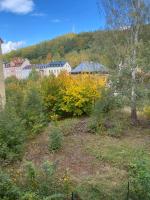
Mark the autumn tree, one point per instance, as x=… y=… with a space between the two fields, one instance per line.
x=49 y=58
x=126 y=20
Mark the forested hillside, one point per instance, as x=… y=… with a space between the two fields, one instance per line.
x=95 y=46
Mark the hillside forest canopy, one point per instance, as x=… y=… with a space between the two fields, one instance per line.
x=75 y=48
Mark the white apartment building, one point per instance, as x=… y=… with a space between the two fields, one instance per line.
x=53 y=68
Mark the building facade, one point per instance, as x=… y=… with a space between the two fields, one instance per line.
x=21 y=68
x=17 y=68
x=54 y=68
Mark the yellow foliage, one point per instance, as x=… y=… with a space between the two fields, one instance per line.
x=72 y=95
x=80 y=93
x=147 y=111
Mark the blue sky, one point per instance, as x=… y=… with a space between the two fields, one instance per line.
x=26 y=22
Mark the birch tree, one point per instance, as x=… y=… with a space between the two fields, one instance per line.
x=127 y=18
x=2 y=83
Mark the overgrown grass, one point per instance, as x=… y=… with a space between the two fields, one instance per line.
x=58 y=130
x=96 y=188
x=67 y=125
x=118 y=152
x=112 y=158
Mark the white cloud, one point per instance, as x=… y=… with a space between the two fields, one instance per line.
x=17 y=6
x=55 y=20
x=9 y=46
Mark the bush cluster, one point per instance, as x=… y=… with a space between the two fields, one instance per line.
x=45 y=183
x=105 y=116
x=22 y=118
x=36 y=184
x=32 y=112
x=12 y=135
x=8 y=190
x=139 y=174
x=31 y=103
x=67 y=95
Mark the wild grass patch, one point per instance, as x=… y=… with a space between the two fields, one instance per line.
x=117 y=152
x=67 y=125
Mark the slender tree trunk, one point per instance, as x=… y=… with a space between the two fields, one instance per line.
x=2 y=82
x=134 y=117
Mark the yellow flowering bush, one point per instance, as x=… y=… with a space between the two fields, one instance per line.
x=68 y=95
x=80 y=94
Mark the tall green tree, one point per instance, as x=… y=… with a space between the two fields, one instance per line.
x=33 y=113
x=126 y=20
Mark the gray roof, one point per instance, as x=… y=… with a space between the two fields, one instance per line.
x=90 y=67
x=51 y=64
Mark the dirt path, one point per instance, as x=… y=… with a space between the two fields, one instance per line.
x=72 y=156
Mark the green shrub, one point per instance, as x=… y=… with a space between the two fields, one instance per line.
x=12 y=135
x=33 y=114
x=43 y=182
x=8 y=191
x=106 y=104
x=116 y=130
x=31 y=177
x=102 y=107
x=140 y=180
x=55 y=139
x=30 y=196
x=34 y=75
x=26 y=100
x=93 y=125
x=15 y=95
x=116 y=123
x=105 y=116
x=11 y=79
x=36 y=184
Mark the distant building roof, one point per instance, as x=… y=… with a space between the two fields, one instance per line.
x=51 y=64
x=17 y=62
x=90 y=67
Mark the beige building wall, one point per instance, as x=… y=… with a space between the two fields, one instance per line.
x=55 y=70
x=18 y=71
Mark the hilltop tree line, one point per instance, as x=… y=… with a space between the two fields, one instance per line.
x=75 y=48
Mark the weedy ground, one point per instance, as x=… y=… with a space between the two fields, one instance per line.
x=92 y=158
